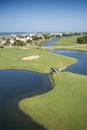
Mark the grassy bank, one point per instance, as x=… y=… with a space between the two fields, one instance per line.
x=63 y=108
x=69 y=43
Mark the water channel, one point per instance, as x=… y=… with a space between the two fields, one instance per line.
x=81 y=66
x=51 y=42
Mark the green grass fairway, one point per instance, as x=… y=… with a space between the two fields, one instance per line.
x=11 y=58
x=63 y=108
x=67 y=41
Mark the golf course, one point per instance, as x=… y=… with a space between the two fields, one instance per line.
x=65 y=106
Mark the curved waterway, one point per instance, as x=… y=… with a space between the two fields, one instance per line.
x=80 y=67
x=50 y=43
x=14 y=86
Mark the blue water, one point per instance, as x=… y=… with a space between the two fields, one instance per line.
x=51 y=42
x=81 y=66
x=9 y=33
x=14 y=86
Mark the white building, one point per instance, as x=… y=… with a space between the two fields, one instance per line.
x=12 y=41
x=24 y=38
x=28 y=38
x=21 y=38
x=2 y=41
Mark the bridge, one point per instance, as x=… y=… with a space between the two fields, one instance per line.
x=55 y=69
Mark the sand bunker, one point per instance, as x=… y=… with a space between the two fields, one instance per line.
x=24 y=48
x=31 y=57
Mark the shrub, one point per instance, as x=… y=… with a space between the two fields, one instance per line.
x=1 y=46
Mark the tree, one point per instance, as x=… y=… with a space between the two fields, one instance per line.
x=19 y=43
x=82 y=40
x=29 y=41
x=35 y=38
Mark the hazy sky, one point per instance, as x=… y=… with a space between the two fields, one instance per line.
x=43 y=15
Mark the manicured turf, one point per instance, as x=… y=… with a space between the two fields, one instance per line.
x=68 y=41
x=63 y=108
x=11 y=58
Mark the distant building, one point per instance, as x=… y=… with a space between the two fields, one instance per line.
x=40 y=35
x=13 y=36
x=12 y=41
x=21 y=38
x=2 y=41
x=28 y=38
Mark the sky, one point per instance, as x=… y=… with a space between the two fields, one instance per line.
x=43 y=15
